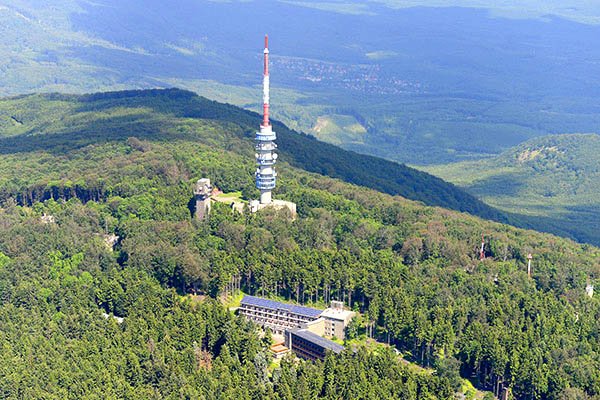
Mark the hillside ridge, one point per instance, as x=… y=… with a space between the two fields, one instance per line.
x=552 y=178
x=298 y=149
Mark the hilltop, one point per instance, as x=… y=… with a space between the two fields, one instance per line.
x=60 y=123
x=552 y=177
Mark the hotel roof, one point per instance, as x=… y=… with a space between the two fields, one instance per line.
x=318 y=340
x=277 y=305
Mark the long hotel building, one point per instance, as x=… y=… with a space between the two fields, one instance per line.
x=278 y=316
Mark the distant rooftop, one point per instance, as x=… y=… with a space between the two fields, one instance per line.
x=318 y=340
x=277 y=305
x=335 y=313
x=279 y=348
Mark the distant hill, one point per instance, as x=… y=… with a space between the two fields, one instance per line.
x=59 y=123
x=419 y=82
x=553 y=177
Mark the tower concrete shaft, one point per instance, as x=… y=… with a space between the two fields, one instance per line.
x=265 y=142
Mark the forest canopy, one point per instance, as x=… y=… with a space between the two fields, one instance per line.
x=110 y=166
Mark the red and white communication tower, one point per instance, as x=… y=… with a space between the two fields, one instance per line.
x=529 y=265
x=482 y=255
x=265 y=143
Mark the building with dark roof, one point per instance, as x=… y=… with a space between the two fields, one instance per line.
x=276 y=315
x=303 y=327
x=309 y=345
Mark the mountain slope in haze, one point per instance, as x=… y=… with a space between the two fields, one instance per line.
x=64 y=122
x=553 y=177
x=427 y=84
x=583 y=11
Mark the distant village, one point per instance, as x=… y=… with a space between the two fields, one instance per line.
x=361 y=78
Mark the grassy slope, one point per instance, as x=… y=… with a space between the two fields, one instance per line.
x=550 y=177
x=339 y=130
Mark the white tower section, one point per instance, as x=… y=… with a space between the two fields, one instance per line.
x=265 y=145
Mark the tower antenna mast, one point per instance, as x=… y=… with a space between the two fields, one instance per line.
x=266 y=83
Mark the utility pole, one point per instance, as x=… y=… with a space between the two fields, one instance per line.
x=482 y=255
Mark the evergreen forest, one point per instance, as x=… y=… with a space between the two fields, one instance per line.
x=77 y=172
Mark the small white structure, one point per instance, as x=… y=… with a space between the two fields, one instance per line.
x=48 y=219
x=110 y=241
x=256 y=205
x=279 y=350
x=589 y=290
x=118 y=319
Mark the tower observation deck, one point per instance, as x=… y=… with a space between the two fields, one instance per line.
x=265 y=142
